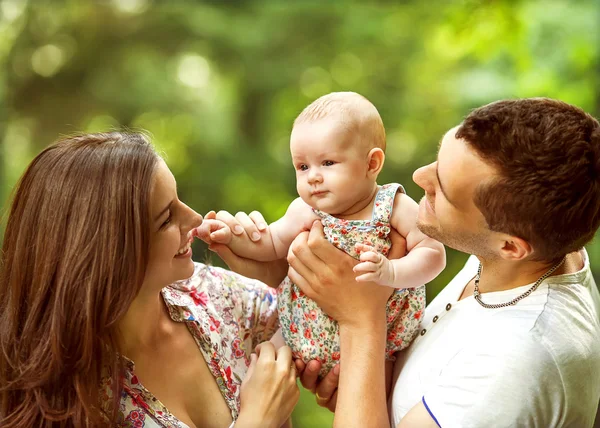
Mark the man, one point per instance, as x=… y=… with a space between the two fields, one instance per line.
x=514 y=338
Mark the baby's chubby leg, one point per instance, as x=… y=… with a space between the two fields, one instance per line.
x=277 y=339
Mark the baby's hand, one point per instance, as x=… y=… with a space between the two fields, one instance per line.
x=214 y=231
x=373 y=266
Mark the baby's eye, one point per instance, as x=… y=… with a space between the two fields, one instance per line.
x=302 y=167
x=328 y=163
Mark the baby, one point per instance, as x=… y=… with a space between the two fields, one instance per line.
x=338 y=149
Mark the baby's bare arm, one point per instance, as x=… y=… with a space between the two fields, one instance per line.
x=298 y=217
x=426 y=257
x=275 y=240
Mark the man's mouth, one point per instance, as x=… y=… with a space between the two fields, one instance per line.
x=430 y=204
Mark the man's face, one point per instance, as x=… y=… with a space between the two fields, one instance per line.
x=447 y=213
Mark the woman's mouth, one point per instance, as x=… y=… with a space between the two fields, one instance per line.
x=186 y=250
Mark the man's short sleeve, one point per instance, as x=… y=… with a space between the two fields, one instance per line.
x=499 y=382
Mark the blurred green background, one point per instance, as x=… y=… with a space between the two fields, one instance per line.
x=218 y=84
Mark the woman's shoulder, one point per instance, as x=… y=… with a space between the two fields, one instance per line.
x=217 y=282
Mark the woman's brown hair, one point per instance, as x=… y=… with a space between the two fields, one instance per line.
x=73 y=259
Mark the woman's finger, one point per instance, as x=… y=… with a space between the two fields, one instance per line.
x=258 y=220
x=253 y=359
x=248 y=225
x=211 y=215
x=265 y=351
x=283 y=356
x=230 y=221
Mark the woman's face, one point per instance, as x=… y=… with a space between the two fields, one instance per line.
x=172 y=222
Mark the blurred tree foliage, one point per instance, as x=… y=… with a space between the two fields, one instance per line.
x=218 y=84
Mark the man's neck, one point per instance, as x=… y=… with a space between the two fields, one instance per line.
x=500 y=275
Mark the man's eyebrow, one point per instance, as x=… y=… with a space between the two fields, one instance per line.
x=441 y=187
x=167 y=208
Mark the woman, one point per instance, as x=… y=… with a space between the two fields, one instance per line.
x=95 y=236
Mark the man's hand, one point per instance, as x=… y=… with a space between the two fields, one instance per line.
x=325 y=390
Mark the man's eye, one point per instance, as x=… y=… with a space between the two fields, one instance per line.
x=328 y=163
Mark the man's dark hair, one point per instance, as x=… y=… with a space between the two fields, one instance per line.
x=547 y=154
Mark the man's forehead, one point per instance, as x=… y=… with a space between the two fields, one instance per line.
x=460 y=169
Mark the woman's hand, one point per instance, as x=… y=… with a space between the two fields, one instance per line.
x=271 y=273
x=269 y=391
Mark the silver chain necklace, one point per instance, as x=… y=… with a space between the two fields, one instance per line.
x=514 y=301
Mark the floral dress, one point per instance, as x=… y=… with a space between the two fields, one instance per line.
x=228 y=315
x=309 y=331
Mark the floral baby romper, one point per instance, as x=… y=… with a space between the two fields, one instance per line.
x=309 y=331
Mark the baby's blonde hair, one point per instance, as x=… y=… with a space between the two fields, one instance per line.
x=354 y=111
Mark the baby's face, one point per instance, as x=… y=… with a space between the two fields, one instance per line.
x=331 y=166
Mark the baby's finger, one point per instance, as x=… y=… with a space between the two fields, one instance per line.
x=206 y=228
x=365 y=267
x=248 y=225
x=258 y=220
x=367 y=277
x=363 y=248
x=221 y=236
x=370 y=256
x=230 y=221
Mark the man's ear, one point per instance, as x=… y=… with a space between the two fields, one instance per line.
x=375 y=160
x=515 y=248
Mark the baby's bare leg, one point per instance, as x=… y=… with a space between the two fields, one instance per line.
x=277 y=339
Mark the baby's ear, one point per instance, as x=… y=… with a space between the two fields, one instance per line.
x=376 y=159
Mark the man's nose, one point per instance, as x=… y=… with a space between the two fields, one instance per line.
x=423 y=177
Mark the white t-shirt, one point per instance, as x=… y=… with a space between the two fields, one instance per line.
x=534 y=364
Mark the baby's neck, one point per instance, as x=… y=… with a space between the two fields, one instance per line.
x=363 y=208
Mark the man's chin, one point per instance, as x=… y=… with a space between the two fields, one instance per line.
x=429 y=230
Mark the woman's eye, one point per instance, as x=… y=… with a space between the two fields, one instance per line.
x=167 y=221
x=328 y=163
